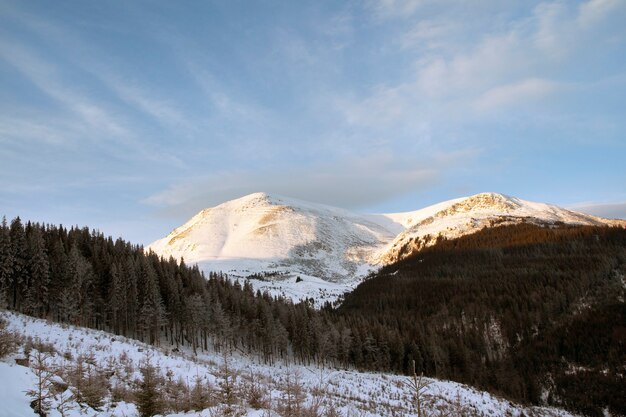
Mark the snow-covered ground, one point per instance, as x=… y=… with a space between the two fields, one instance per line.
x=14 y=382
x=349 y=392
x=332 y=247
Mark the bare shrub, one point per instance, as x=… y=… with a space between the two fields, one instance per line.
x=291 y=403
x=41 y=394
x=8 y=340
x=229 y=391
x=256 y=391
x=89 y=383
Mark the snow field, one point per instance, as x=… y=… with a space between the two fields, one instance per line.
x=348 y=392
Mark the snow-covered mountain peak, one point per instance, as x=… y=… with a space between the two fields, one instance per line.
x=287 y=237
x=309 y=249
x=468 y=215
x=246 y=202
x=481 y=202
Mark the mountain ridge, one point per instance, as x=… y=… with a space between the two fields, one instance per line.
x=296 y=240
x=468 y=215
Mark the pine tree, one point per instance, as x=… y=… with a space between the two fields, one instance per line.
x=152 y=313
x=229 y=390
x=37 y=301
x=117 y=300
x=6 y=263
x=148 y=391
x=200 y=395
x=291 y=403
x=132 y=297
x=18 y=255
x=59 y=273
x=195 y=309
x=220 y=326
x=90 y=385
x=81 y=285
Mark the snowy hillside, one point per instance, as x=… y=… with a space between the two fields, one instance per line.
x=307 y=250
x=464 y=216
x=210 y=379
x=292 y=239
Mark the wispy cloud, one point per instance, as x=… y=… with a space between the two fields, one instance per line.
x=32 y=128
x=90 y=60
x=227 y=105
x=45 y=76
x=351 y=184
x=162 y=111
x=511 y=64
x=528 y=90
x=594 y=11
x=608 y=210
x=350 y=104
x=81 y=116
x=384 y=9
x=429 y=35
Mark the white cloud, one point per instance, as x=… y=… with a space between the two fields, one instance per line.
x=531 y=89
x=351 y=183
x=428 y=34
x=86 y=57
x=43 y=75
x=511 y=64
x=161 y=110
x=608 y=210
x=37 y=127
x=594 y=11
x=385 y=9
x=228 y=106
x=338 y=30
x=82 y=118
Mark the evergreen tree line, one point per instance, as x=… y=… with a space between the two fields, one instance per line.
x=81 y=277
x=509 y=309
x=518 y=310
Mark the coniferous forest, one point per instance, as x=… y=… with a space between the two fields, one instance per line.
x=532 y=313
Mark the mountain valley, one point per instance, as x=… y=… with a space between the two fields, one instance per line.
x=523 y=302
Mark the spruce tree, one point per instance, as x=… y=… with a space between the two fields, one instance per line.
x=37 y=301
x=18 y=255
x=81 y=285
x=148 y=391
x=6 y=263
x=117 y=299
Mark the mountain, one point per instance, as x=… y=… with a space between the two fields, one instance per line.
x=459 y=217
x=532 y=312
x=300 y=249
x=319 y=246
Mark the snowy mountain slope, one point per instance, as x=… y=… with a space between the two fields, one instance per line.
x=317 y=251
x=350 y=393
x=399 y=222
x=260 y=232
x=464 y=216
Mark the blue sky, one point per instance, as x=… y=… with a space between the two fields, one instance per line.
x=131 y=116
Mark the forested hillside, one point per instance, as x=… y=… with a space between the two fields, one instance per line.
x=518 y=310
x=521 y=310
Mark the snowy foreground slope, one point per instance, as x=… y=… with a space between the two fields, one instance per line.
x=307 y=250
x=347 y=393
